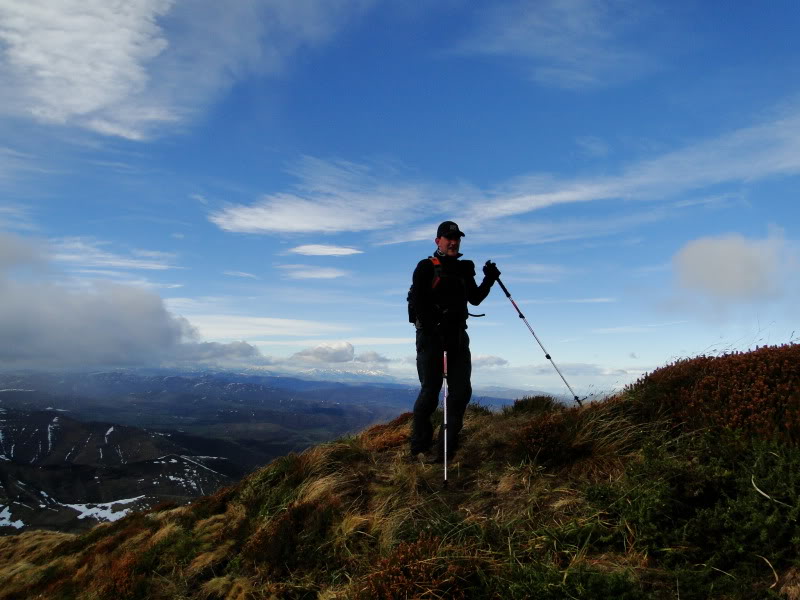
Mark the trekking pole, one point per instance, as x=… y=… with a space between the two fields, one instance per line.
x=546 y=354
x=444 y=402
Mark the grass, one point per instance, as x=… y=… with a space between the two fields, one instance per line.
x=642 y=495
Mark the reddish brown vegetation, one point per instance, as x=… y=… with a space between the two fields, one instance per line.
x=420 y=569
x=757 y=392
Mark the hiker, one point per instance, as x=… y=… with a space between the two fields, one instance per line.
x=441 y=287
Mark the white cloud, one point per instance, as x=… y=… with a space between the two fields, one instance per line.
x=81 y=60
x=90 y=253
x=761 y=151
x=647 y=328
x=599 y=300
x=331 y=197
x=371 y=357
x=128 y=69
x=360 y=341
x=324 y=250
x=733 y=268
x=481 y=361
x=100 y=324
x=593 y=146
x=217 y=353
x=241 y=274
x=334 y=352
x=12 y=163
x=310 y=272
x=569 y=43
x=119 y=277
x=226 y=327
x=16 y=251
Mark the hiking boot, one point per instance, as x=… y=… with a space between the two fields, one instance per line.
x=414 y=458
x=434 y=456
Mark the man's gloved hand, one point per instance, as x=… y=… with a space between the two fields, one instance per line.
x=490 y=271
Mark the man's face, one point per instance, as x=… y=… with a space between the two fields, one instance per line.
x=448 y=246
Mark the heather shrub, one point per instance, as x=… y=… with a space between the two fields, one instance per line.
x=272 y=488
x=757 y=392
x=421 y=569
x=707 y=504
x=550 y=439
x=294 y=539
x=533 y=405
x=524 y=581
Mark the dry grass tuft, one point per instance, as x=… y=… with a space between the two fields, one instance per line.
x=31 y=545
x=169 y=530
x=227 y=588
x=379 y=438
x=205 y=562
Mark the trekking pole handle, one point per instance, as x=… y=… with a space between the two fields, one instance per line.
x=505 y=291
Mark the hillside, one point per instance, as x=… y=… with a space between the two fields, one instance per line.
x=60 y=473
x=685 y=485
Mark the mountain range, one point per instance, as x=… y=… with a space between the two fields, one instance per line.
x=124 y=440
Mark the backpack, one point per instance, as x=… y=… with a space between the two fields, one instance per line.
x=437 y=276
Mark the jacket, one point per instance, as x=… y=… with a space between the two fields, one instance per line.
x=445 y=305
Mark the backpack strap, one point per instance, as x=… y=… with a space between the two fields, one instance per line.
x=437 y=270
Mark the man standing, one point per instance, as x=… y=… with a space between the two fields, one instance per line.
x=442 y=286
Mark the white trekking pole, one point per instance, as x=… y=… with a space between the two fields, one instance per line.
x=445 y=418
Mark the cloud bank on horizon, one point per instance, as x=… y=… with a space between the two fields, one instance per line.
x=187 y=182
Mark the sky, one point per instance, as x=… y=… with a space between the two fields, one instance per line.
x=250 y=184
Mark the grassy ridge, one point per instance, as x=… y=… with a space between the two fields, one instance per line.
x=685 y=485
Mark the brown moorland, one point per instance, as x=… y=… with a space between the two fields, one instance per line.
x=684 y=485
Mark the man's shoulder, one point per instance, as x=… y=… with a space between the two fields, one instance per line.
x=423 y=267
x=467 y=267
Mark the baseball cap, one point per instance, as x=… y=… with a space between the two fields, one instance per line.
x=449 y=229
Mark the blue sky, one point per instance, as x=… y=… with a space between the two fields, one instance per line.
x=250 y=184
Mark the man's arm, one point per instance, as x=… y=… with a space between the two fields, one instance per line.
x=475 y=293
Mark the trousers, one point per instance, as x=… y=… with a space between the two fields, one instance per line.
x=430 y=367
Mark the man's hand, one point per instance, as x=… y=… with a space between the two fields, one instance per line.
x=490 y=271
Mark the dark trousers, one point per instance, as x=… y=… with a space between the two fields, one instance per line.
x=430 y=364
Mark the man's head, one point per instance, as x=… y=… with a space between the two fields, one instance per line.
x=448 y=238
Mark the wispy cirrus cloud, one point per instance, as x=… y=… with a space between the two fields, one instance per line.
x=761 y=151
x=330 y=197
x=230 y=326
x=572 y=44
x=647 y=328
x=324 y=250
x=241 y=274
x=16 y=218
x=311 y=272
x=340 y=196
x=130 y=69
x=598 y=300
x=86 y=252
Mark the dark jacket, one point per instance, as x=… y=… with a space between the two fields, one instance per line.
x=445 y=306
